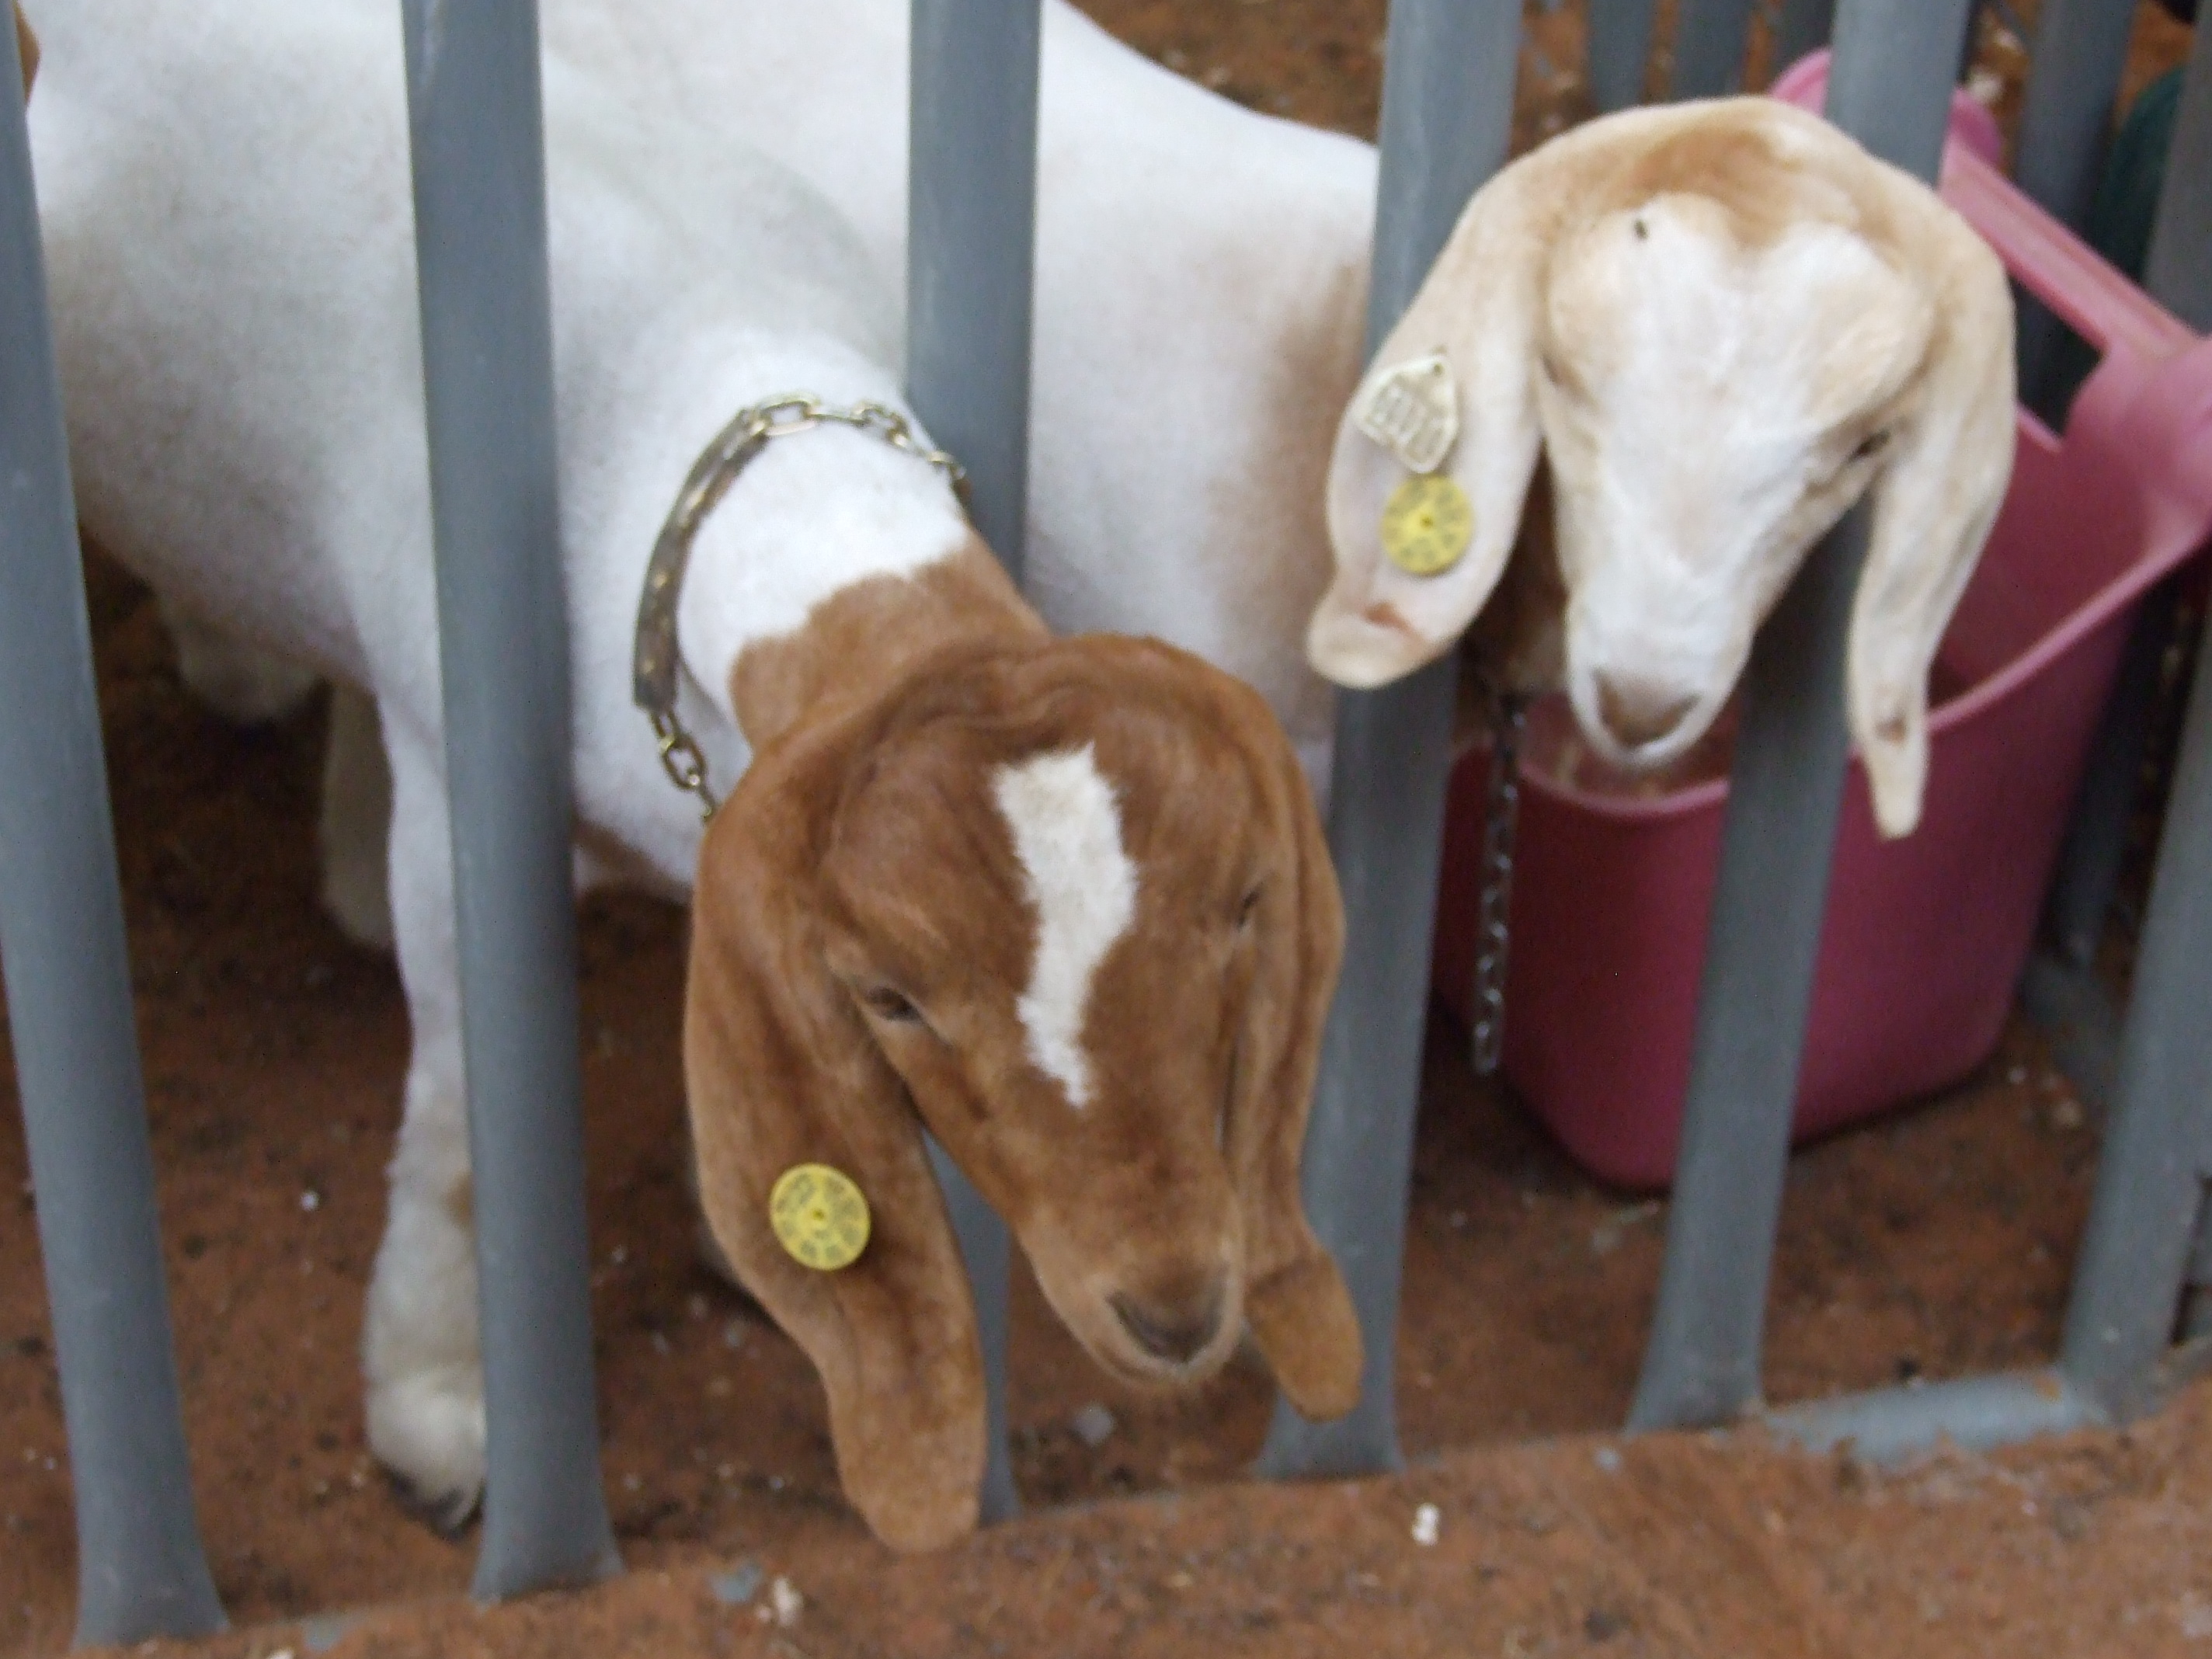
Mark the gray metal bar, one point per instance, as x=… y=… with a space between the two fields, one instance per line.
x=2065 y=126
x=2158 y=1146
x=2066 y=118
x=1619 y=47
x=971 y=240
x=1709 y=38
x=1890 y=88
x=2080 y=1020
x=1447 y=110
x=2179 y=274
x=1974 y=1413
x=477 y=127
x=2121 y=1321
x=2177 y=271
x=1702 y=1365
x=1805 y=27
x=2096 y=844
x=141 y=1572
x=987 y=1250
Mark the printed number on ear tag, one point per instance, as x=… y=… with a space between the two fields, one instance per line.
x=819 y=1217
x=1426 y=526
x=1413 y=411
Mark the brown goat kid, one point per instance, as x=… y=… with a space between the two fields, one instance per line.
x=920 y=833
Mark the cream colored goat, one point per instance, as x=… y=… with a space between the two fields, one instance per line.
x=1718 y=323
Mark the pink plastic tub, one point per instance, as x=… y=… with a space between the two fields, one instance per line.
x=1925 y=938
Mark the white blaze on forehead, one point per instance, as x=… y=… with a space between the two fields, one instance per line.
x=1068 y=834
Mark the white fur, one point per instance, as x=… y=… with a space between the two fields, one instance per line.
x=226 y=201
x=1708 y=405
x=1680 y=477
x=228 y=234
x=1067 y=827
x=1201 y=278
x=355 y=827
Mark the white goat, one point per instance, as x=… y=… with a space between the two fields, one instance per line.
x=1201 y=277
x=1127 y=932
x=1719 y=324
x=1202 y=290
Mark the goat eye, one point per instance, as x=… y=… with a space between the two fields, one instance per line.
x=1871 y=445
x=885 y=1002
x=1247 y=908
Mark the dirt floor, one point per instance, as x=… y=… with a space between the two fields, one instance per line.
x=1935 y=1243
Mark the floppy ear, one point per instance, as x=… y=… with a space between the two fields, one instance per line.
x=1479 y=310
x=1300 y=1314
x=26 y=50
x=780 y=1071
x=1950 y=458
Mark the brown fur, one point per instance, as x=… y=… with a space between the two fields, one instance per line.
x=1737 y=167
x=887 y=623
x=26 y=50
x=1729 y=156
x=863 y=850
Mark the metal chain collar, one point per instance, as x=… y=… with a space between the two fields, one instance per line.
x=654 y=662
x=1501 y=817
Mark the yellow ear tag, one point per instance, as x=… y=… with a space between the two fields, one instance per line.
x=819 y=1217
x=1426 y=525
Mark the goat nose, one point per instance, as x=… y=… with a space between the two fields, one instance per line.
x=1638 y=712
x=1176 y=1330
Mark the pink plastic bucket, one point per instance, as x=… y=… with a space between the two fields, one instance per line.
x=1925 y=937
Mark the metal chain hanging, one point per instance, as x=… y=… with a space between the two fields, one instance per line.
x=1509 y=719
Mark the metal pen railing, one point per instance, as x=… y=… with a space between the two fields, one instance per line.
x=141 y=1570
x=1890 y=88
x=1447 y=116
x=971 y=261
x=475 y=124
x=480 y=212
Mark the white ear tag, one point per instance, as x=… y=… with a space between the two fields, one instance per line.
x=1413 y=411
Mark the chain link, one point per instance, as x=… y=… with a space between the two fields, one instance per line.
x=1509 y=719
x=682 y=760
x=797 y=412
x=732 y=449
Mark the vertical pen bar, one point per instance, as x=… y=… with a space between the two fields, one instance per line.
x=971 y=241
x=2066 y=119
x=2150 y=1176
x=1804 y=27
x=1890 y=88
x=473 y=104
x=2096 y=844
x=141 y=1572
x=1710 y=38
x=2178 y=270
x=2178 y=276
x=1447 y=109
x=2065 y=125
x=971 y=260
x=2158 y=1147
x=1619 y=47
x=987 y=1250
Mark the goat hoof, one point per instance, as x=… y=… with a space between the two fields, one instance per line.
x=426 y=1428
x=446 y=1514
